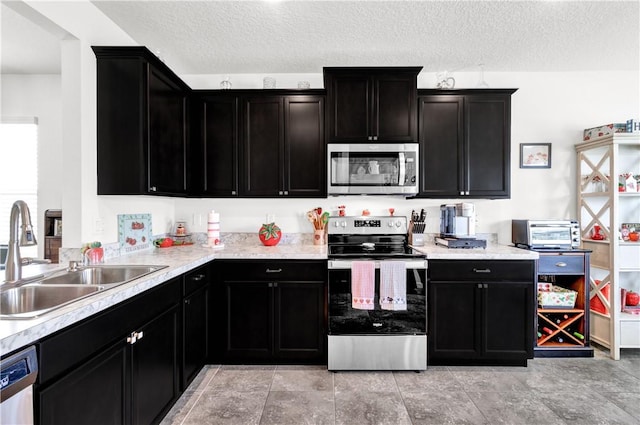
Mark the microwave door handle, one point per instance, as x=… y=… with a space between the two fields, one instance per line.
x=402 y=169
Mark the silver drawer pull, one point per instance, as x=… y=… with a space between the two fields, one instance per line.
x=561 y=264
x=482 y=270
x=197 y=277
x=274 y=270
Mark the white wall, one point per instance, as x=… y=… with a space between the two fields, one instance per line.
x=547 y=108
x=39 y=96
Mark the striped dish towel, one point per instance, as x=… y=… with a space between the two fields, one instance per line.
x=363 y=283
x=393 y=285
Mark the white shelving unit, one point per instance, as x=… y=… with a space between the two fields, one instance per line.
x=615 y=264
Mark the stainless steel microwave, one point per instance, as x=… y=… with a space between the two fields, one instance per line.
x=534 y=234
x=372 y=169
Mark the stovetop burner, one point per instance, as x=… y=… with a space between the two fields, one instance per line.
x=369 y=237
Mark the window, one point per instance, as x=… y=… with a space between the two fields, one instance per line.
x=18 y=173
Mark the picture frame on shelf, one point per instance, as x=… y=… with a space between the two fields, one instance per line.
x=535 y=155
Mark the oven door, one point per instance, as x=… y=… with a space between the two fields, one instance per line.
x=345 y=320
x=372 y=169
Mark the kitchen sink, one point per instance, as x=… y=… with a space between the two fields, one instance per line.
x=33 y=298
x=99 y=275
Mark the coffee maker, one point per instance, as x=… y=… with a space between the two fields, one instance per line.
x=458 y=220
x=458 y=226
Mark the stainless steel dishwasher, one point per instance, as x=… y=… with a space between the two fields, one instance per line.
x=18 y=373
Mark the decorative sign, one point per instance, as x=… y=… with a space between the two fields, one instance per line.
x=134 y=231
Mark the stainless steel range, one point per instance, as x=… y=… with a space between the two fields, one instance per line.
x=377 y=296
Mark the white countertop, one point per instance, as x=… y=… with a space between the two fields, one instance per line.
x=179 y=260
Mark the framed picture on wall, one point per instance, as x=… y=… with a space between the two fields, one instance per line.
x=535 y=155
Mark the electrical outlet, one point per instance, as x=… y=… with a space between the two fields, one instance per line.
x=98 y=225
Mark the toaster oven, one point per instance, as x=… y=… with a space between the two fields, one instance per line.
x=540 y=234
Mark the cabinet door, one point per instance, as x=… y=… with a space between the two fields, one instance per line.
x=195 y=321
x=304 y=147
x=94 y=393
x=441 y=140
x=299 y=321
x=262 y=147
x=249 y=328
x=220 y=144
x=350 y=98
x=454 y=317
x=488 y=146
x=508 y=324
x=154 y=360
x=394 y=108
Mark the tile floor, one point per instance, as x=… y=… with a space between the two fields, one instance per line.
x=549 y=391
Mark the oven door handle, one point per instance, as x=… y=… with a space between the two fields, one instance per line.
x=346 y=264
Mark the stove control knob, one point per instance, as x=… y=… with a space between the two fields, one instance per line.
x=390 y=224
x=343 y=223
x=336 y=223
x=398 y=223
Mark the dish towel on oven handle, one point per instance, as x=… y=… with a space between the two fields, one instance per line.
x=393 y=285
x=363 y=284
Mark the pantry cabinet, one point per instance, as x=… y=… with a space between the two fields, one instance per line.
x=465 y=143
x=123 y=367
x=141 y=122
x=368 y=104
x=480 y=312
x=272 y=312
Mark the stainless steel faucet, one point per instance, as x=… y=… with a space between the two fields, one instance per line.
x=19 y=210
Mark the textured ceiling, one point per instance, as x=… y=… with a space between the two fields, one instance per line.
x=230 y=37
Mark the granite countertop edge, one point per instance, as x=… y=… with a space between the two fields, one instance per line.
x=15 y=334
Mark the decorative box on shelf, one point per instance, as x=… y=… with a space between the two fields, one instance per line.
x=603 y=130
x=557 y=297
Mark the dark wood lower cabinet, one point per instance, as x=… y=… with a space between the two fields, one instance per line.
x=154 y=369
x=480 y=312
x=274 y=312
x=94 y=393
x=120 y=366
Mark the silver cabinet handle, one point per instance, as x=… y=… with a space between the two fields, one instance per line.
x=233 y=192
x=370 y=138
x=461 y=193
x=273 y=270
x=286 y=192
x=187 y=302
x=134 y=337
x=198 y=277
x=561 y=264
x=482 y=270
x=467 y=192
x=152 y=189
x=280 y=193
x=375 y=137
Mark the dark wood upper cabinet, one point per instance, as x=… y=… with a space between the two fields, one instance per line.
x=304 y=146
x=213 y=170
x=465 y=143
x=372 y=104
x=141 y=122
x=262 y=148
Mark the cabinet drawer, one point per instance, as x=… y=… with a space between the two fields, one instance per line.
x=561 y=264
x=481 y=270
x=195 y=279
x=292 y=270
